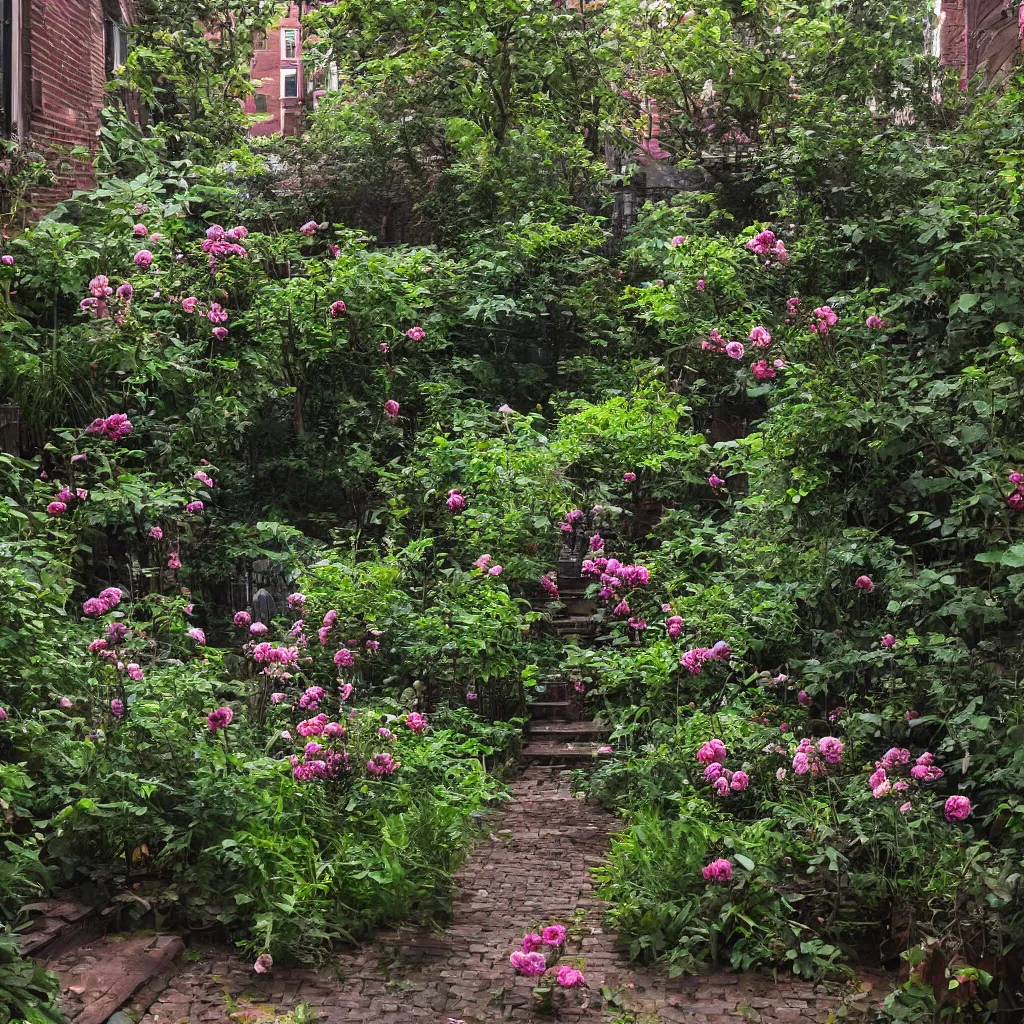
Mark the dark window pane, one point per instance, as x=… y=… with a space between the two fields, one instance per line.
x=6 y=116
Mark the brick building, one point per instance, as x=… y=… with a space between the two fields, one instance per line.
x=283 y=86
x=277 y=70
x=979 y=33
x=55 y=59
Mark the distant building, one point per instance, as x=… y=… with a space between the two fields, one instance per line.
x=283 y=87
x=278 y=79
x=55 y=59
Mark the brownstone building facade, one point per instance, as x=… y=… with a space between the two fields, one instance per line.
x=278 y=78
x=55 y=59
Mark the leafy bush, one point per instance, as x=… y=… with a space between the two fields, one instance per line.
x=456 y=315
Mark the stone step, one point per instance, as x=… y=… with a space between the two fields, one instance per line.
x=573 y=586
x=569 y=731
x=574 y=625
x=57 y=925
x=553 y=691
x=552 y=709
x=575 y=606
x=99 y=977
x=560 y=753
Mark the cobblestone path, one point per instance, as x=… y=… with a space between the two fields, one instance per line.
x=532 y=869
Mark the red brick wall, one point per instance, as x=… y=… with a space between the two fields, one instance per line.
x=952 y=38
x=976 y=33
x=993 y=36
x=267 y=64
x=63 y=80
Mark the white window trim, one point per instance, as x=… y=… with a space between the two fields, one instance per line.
x=333 y=79
x=287 y=73
x=285 y=32
x=934 y=24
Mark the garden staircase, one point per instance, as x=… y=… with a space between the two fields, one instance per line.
x=556 y=736
x=575 y=617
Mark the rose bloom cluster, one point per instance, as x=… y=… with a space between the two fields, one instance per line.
x=107 y=601
x=759 y=337
x=717 y=871
x=531 y=959
x=268 y=654
x=381 y=764
x=113 y=427
x=65 y=496
x=723 y=781
x=220 y=244
x=310 y=767
x=97 y=303
x=815 y=759
x=1016 y=497
x=615 y=577
x=572 y=521
x=549 y=584
x=892 y=775
x=768 y=247
x=694 y=659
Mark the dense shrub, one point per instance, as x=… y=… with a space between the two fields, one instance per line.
x=395 y=360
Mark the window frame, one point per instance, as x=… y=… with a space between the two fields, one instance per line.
x=291 y=34
x=115 y=45
x=256 y=102
x=289 y=75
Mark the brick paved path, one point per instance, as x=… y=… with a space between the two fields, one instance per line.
x=532 y=869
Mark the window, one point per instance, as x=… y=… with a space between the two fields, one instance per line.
x=290 y=83
x=259 y=39
x=332 y=77
x=261 y=102
x=289 y=43
x=115 y=45
x=6 y=67
x=934 y=30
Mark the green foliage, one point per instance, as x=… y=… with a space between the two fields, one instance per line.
x=188 y=62
x=26 y=990
x=474 y=176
